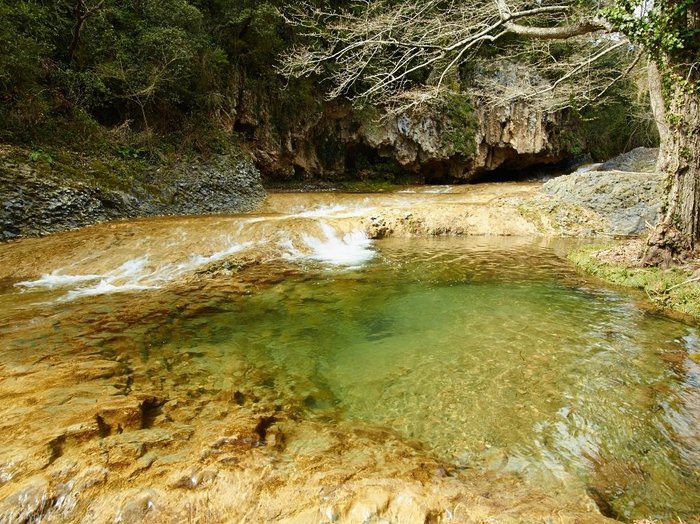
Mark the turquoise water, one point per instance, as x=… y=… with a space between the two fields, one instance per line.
x=489 y=353
x=489 y=356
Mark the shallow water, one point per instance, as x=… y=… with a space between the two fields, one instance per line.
x=491 y=354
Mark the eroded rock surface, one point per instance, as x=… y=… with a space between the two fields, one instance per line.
x=433 y=145
x=55 y=198
x=627 y=202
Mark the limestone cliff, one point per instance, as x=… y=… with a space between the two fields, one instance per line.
x=453 y=141
x=518 y=136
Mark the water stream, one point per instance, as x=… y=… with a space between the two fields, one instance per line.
x=490 y=355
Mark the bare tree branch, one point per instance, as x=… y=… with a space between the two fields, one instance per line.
x=403 y=53
x=619 y=77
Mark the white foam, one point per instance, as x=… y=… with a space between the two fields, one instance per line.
x=133 y=268
x=199 y=260
x=333 y=211
x=588 y=168
x=289 y=250
x=351 y=250
x=330 y=247
x=102 y=288
x=133 y=275
x=438 y=190
x=55 y=279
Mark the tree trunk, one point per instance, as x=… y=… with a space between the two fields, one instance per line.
x=81 y=13
x=77 y=28
x=677 y=79
x=658 y=110
x=679 y=158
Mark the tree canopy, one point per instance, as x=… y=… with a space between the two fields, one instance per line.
x=405 y=53
x=117 y=61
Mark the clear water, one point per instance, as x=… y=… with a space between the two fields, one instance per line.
x=490 y=353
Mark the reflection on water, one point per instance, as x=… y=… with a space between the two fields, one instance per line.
x=490 y=354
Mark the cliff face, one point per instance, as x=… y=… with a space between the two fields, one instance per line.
x=457 y=141
x=518 y=136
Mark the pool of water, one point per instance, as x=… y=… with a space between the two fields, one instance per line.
x=490 y=354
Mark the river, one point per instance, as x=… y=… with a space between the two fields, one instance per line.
x=332 y=358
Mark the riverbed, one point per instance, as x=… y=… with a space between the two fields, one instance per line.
x=419 y=356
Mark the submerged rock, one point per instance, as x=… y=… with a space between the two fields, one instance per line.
x=189 y=421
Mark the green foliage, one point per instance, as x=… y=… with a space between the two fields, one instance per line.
x=662 y=30
x=25 y=37
x=125 y=151
x=619 y=122
x=149 y=62
x=462 y=124
x=164 y=75
x=253 y=34
x=669 y=31
x=141 y=58
x=607 y=130
x=39 y=156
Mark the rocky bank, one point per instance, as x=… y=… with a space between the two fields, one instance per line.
x=40 y=194
x=627 y=202
x=621 y=197
x=40 y=197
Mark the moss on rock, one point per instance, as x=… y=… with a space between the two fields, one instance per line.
x=462 y=125
x=675 y=289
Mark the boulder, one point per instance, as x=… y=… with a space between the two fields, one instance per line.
x=627 y=201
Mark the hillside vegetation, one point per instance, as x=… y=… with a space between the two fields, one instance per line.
x=153 y=79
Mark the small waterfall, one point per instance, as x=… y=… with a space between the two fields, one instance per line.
x=325 y=235
x=352 y=249
x=334 y=211
x=136 y=274
x=588 y=168
x=315 y=229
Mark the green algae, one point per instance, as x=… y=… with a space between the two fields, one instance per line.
x=673 y=289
